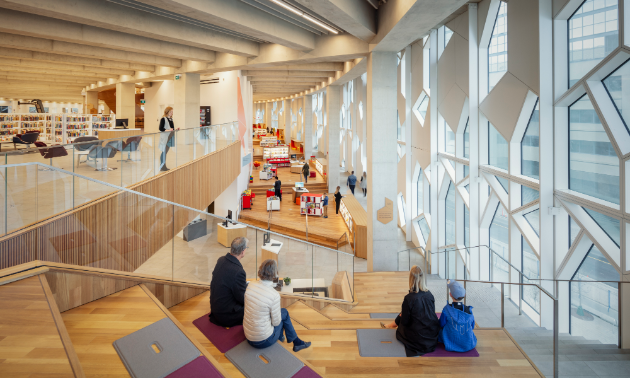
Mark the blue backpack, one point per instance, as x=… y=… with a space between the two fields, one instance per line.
x=457 y=334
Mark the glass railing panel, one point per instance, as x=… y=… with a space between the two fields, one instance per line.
x=185 y=146
x=345 y=277
x=21 y=193
x=333 y=271
x=200 y=142
x=295 y=261
x=403 y=261
x=139 y=160
x=486 y=301
x=416 y=257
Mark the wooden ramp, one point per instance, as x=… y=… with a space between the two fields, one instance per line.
x=33 y=339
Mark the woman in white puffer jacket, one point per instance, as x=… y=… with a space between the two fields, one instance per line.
x=264 y=319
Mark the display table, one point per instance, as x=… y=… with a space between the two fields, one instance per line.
x=355 y=218
x=225 y=235
x=265 y=175
x=280 y=162
x=118 y=133
x=273 y=204
x=268 y=251
x=297 y=192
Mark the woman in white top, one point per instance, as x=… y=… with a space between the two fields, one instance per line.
x=166 y=137
x=363 y=184
x=264 y=319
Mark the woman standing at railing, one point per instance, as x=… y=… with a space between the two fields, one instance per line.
x=418 y=325
x=166 y=137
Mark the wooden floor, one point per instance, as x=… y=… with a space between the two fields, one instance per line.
x=94 y=326
x=30 y=343
x=289 y=221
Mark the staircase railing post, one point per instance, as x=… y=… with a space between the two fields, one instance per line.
x=502 y=305
x=556 y=332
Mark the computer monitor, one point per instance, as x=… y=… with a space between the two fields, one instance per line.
x=122 y=123
x=299 y=184
x=293 y=157
x=229 y=216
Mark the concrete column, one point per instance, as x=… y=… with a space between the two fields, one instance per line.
x=408 y=138
x=473 y=130
x=287 y=122
x=126 y=103
x=433 y=194
x=381 y=158
x=333 y=107
x=308 y=126
x=187 y=94
x=91 y=99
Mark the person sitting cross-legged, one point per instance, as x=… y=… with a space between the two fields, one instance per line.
x=457 y=322
x=264 y=319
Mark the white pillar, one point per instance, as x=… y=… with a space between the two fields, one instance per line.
x=126 y=103
x=473 y=133
x=435 y=239
x=187 y=93
x=408 y=139
x=333 y=107
x=381 y=158
x=308 y=126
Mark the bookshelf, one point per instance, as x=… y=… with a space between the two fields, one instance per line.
x=355 y=218
x=311 y=204
x=276 y=152
x=9 y=126
x=101 y=122
x=266 y=141
x=54 y=128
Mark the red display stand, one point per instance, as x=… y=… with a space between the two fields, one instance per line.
x=280 y=162
x=311 y=204
x=247 y=202
x=271 y=193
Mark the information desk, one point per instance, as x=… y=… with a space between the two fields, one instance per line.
x=118 y=133
x=297 y=192
x=355 y=218
x=225 y=236
x=321 y=165
x=269 y=251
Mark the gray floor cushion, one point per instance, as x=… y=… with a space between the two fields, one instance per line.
x=279 y=362
x=383 y=315
x=379 y=343
x=138 y=350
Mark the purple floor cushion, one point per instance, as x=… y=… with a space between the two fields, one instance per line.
x=306 y=372
x=441 y=352
x=200 y=367
x=222 y=338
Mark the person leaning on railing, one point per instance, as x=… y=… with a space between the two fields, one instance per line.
x=166 y=138
x=264 y=319
x=417 y=325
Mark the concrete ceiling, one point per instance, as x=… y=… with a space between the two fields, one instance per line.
x=55 y=49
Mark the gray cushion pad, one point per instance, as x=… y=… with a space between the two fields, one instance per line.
x=379 y=343
x=383 y=315
x=281 y=363
x=140 y=359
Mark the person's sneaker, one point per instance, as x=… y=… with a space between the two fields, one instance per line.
x=298 y=345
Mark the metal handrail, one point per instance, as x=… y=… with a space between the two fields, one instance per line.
x=30 y=149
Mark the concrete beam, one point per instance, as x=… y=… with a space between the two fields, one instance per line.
x=357 y=17
x=50 y=46
x=262 y=79
x=242 y=18
x=44 y=77
x=70 y=69
x=75 y=75
x=43 y=27
x=68 y=59
x=402 y=22
x=326 y=66
x=289 y=73
x=111 y=16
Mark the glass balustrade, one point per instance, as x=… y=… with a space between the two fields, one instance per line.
x=31 y=192
x=129 y=231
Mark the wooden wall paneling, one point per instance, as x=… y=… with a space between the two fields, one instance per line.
x=72 y=290
x=122 y=230
x=173 y=295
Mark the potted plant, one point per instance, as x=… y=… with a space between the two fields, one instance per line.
x=287 y=281
x=256 y=164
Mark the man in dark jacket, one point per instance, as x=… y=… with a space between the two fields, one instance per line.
x=306 y=170
x=277 y=186
x=227 y=289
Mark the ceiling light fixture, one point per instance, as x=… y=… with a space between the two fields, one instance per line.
x=304 y=15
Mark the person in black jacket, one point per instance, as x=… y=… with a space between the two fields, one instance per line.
x=338 y=198
x=166 y=139
x=417 y=325
x=228 y=285
x=277 y=186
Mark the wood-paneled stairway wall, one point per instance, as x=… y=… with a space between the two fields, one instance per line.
x=63 y=321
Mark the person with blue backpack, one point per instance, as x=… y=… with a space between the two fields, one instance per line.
x=457 y=322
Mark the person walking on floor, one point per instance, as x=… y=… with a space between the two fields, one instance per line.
x=277 y=186
x=306 y=170
x=338 y=198
x=363 y=184
x=264 y=320
x=352 y=182
x=166 y=137
x=228 y=285
x=325 y=205
x=417 y=326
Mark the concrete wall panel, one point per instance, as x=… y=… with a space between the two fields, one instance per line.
x=503 y=105
x=461 y=63
x=451 y=107
x=523 y=42
x=460 y=25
